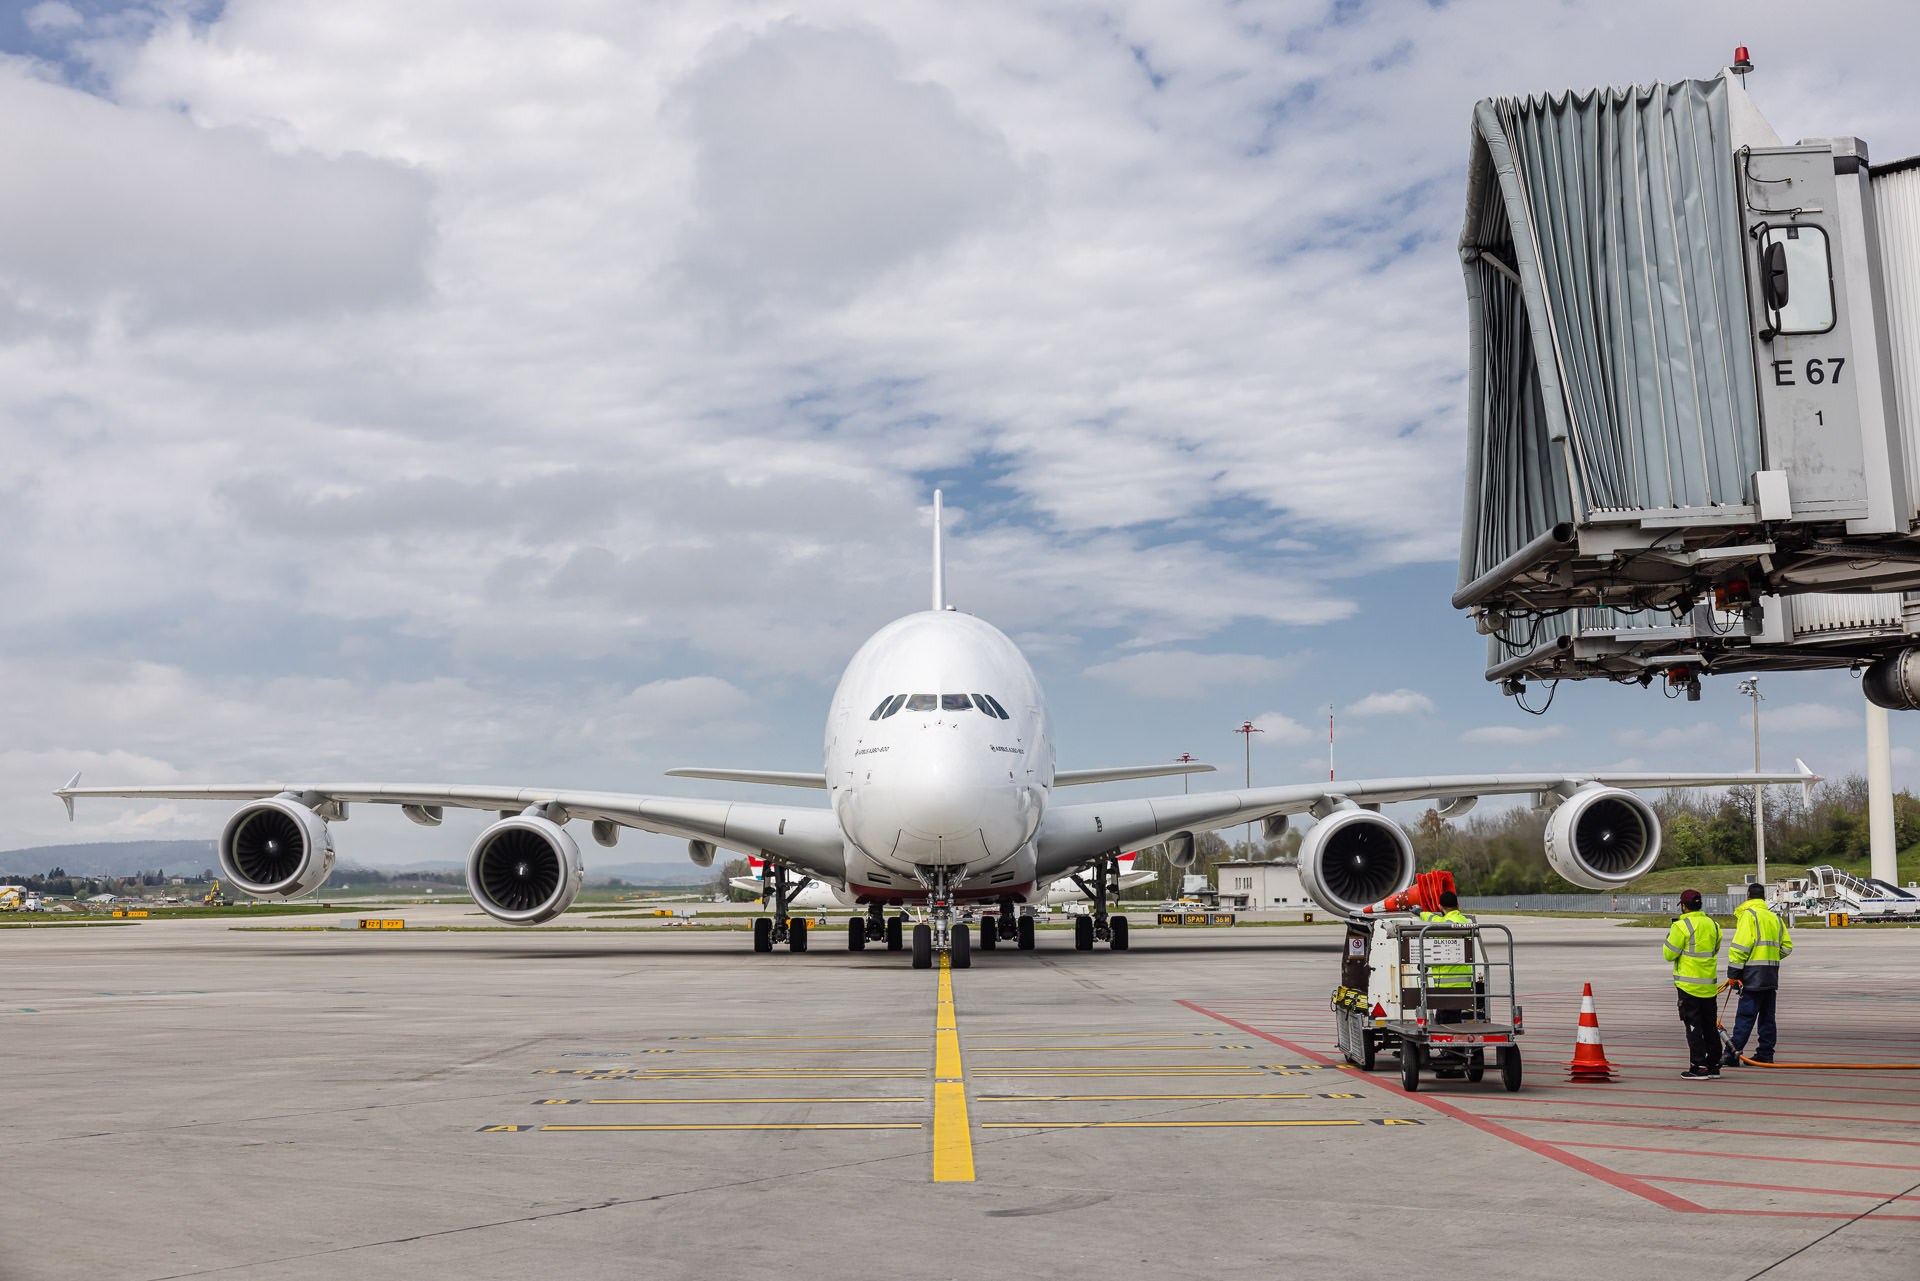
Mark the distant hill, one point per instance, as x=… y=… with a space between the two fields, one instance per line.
x=188 y=858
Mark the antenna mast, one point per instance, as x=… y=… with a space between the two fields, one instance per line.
x=939 y=559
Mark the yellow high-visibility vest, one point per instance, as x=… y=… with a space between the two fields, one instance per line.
x=1449 y=975
x=1760 y=937
x=1693 y=947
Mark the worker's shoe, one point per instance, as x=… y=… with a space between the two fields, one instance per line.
x=1732 y=1060
x=1700 y=1074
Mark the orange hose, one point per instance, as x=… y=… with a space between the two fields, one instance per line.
x=1817 y=1067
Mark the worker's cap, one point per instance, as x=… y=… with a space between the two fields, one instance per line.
x=1448 y=899
x=1756 y=891
x=1690 y=899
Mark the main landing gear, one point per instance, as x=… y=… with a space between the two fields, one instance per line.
x=872 y=928
x=1099 y=924
x=1007 y=925
x=778 y=885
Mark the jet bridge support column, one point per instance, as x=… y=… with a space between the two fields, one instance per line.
x=1882 y=857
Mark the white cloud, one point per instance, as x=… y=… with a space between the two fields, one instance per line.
x=1279 y=730
x=1510 y=734
x=1399 y=702
x=1180 y=673
x=1805 y=718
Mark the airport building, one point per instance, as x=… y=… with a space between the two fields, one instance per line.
x=1259 y=885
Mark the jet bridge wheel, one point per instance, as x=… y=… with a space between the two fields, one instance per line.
x=857 y=934
x=763 y=934
x=1023 y=934
x=988 y=929
x=1083 y=934
x=923 y=947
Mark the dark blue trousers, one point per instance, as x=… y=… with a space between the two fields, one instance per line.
x=1755 y=1008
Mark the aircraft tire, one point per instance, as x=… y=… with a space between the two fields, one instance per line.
x=961 y=951
x=1083 y=934
x=1023 y=934
x=763 y=934
x=989 y=928
x=923 y=947
x=856 y=934
x=797 y=934
x=1118 y=924
x=896 y=933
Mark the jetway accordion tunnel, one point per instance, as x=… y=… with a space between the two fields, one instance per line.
x=1694 y=393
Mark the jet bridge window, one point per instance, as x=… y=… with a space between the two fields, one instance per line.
x=923 y=703
x=991 y=706
x=955 y=702
x=1796 y=280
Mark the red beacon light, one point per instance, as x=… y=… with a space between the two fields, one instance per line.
x=1742 y=64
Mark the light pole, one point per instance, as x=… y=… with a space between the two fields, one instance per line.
x=1185 y=758
x=1248 y=729
x=1751 y=688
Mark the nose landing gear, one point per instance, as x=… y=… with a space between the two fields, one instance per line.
x=938 y=933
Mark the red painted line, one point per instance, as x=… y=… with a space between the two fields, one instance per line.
x=1694 y=1129
x=1777 y=1187
x=1613 y=1178
x=1622 y=1088
x=1675 y=1107
x=1741 y=1156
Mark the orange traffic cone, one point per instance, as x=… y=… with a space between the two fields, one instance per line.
x=1589 y=1059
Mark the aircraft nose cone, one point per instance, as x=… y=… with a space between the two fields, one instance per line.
x=940 y=811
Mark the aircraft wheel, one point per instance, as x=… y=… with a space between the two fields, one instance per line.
x=896 y=933
x=797 y=934
x=1409 y=1067
x=923 y=947
x=1083 y=934
x=763 y=934
x=961 y=949
x=1024 y=933
x=1118 y=924
x=1510 y=1068
x=988 y=929
x=857 y=934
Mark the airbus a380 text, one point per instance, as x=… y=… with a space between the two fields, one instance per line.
x=940 y=781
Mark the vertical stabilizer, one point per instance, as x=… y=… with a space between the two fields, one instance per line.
x=939 y=559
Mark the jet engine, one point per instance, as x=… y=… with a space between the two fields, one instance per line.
x=1601 y=837
x=276 y=848
x=1893 y=681
x=1354 y=858
x=524 y=870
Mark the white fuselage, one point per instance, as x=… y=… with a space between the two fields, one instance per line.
x=924 y=773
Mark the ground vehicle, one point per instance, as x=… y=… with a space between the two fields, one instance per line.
x=1388 y=1001
x=216 y=897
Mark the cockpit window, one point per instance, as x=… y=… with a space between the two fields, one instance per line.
x=881 y=710
x=923 y=703
x=991 y=705
x=898 y=701
x=954 y=703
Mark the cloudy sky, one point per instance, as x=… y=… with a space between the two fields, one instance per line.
x=553 y=393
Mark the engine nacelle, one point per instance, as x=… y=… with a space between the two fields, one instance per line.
x=276 y=848
x=1601 y=837
x=1893 y=682
x=1354 y=858
x=524 y=870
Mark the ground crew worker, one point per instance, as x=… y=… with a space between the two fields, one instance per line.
x=1693 y=949
x=1454 y=979
x=1760 y=940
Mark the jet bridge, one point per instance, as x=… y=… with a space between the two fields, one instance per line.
x=1694 y=402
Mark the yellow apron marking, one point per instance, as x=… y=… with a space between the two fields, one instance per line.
x=1150 y=1125
x=952 y=1135
x=889 y=1098
x=1089 y=1098
x=796 y=1125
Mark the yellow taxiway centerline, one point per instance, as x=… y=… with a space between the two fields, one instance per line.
x=952 y=1134
x=797 y=1125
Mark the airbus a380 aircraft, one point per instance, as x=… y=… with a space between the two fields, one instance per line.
x=940 y=780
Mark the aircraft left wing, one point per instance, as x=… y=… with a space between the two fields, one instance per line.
x=1073 y=835
x=808 y=838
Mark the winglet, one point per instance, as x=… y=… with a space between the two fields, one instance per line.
x=63 y=794
x=1806 y=788
x=939 y=560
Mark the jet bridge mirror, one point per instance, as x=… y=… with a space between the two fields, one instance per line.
x=1796 y=279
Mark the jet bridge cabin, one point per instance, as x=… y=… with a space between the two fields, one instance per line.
x=1694 y=388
